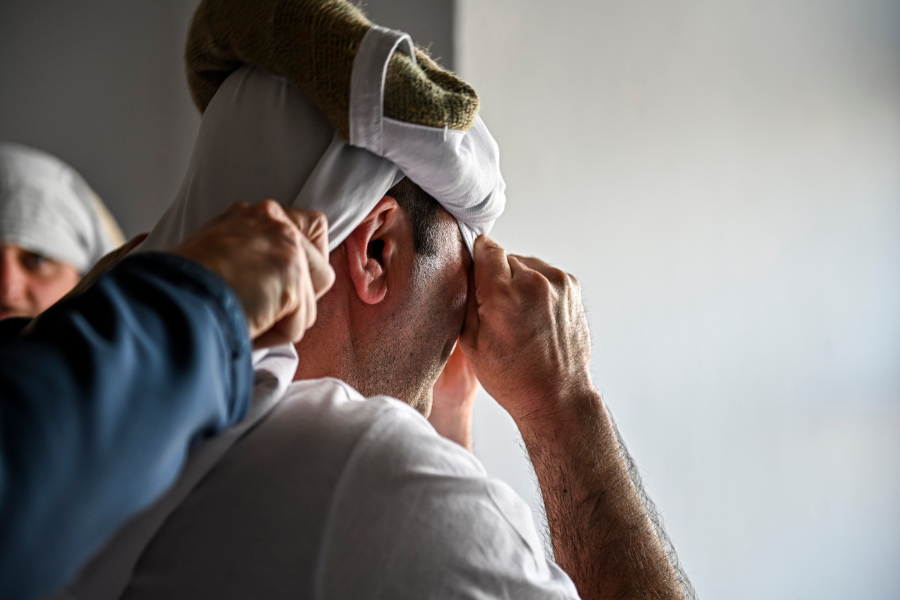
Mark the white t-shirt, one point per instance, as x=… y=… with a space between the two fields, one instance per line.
x=335 y=496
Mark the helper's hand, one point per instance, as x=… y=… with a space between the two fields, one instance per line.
x=454 y=398
x=526 y=334
x=275 y=259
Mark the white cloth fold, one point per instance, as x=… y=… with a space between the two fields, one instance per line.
x=367 y=85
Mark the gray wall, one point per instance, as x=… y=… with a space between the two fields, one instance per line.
x=429 y=22
x=724 y=178
x=101 y=85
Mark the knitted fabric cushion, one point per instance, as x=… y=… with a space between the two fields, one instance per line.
x=314 y=43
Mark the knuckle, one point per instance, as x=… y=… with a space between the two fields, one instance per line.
x=316 y=224
x=558 y=277
x=573 y=286
x=315 y=216
x=536 y=283
x=311 y=314
x=284 y=229
x=285 y=258
x=270 y=207
x=324 y=280
x=284 y=233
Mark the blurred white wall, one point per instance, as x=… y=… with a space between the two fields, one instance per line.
x=723 y=176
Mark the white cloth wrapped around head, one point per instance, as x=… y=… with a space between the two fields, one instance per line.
x=262 y=137
x=47 y=208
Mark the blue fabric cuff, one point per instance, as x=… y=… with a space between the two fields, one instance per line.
x=194 y=277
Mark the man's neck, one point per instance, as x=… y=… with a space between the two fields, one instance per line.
x=326 y=348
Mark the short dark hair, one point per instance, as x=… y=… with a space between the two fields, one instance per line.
x=423 y=211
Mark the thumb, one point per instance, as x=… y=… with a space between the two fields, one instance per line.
x=320 y=271
x=313 y=225
x=491 y=264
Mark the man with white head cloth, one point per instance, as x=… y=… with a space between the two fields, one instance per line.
x=53 y=228
x=322 y=492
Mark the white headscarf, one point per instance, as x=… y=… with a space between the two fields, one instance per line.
x=261 y=138
x=47 y=208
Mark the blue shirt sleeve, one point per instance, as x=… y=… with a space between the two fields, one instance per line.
x=99 y=403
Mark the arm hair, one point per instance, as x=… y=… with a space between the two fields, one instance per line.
x=653 y=514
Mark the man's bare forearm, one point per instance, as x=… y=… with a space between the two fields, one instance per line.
x=527 y=337
x=653 y=514
x=601 y=534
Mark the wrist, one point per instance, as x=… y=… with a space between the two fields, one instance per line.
x=453 y=422
x=558 y=416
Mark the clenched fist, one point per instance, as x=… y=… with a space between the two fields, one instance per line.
x=275 y=259
x=526 y=334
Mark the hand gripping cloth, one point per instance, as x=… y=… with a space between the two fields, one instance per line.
x=47 y=208
x=308 y=103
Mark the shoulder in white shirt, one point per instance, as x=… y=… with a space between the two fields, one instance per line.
x=337 y=496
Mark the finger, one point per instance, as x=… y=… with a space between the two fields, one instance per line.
x=290 y=329
x=460 y=362
x=312 y=224
x=271 y=338
x=297 y=298
x=301 y=311
x=233 y=211
x=491 y=265
x=320 y=271
x=453 y=360
x=236 y=207
x=468 y=338
x=554 y=275
x=292 y=326
x=277 y=214
x=270 y=216
x=298 y=322
x=271 y=208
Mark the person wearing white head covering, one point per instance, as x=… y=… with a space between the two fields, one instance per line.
x=53 y=228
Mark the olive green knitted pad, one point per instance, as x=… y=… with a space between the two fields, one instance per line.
x=313 y=43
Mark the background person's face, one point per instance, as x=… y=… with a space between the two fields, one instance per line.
x=30 y=283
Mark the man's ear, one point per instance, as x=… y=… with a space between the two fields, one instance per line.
x=372 y=250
